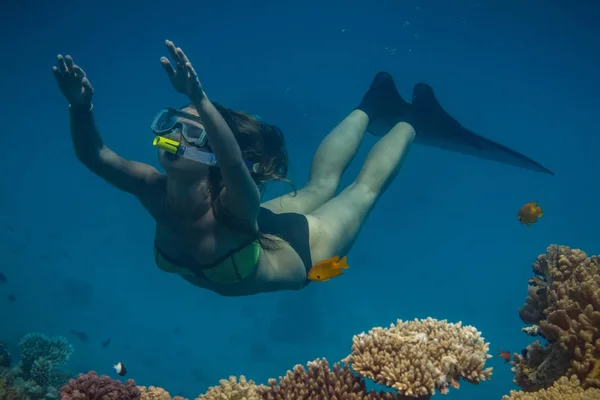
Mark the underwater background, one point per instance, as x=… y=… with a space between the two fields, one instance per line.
x=444 y=241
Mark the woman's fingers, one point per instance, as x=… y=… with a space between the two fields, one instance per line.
x=72 y=80
x=173 y=52
x=167 y=67
x=60 y=63
x=57 y=74
x=65 y=67
x=181 y=55
x=77 y=72
x=177 y=54
x=69 y=62
x=183 y=74
x=191 y=71
x=87 y=86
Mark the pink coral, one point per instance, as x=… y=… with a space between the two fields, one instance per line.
x=90 y=386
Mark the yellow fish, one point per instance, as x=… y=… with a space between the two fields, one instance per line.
x=529 y=213
x=327 y=269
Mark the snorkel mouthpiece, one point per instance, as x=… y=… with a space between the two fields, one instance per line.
x=168 y=145
x=174 y=147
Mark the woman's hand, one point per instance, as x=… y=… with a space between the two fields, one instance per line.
x=72 y=82
x=183 y=76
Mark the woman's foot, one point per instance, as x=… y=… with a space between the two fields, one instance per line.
x=382 y=102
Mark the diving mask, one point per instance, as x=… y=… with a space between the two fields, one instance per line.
x=169 y=120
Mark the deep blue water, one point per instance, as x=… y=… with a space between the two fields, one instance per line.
x=443 y=242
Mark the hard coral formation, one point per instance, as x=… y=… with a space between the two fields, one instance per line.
x=563 y=303
x=232 y=389
x=454 y=352
x=5 y=358
x=7 y=392
x=539 y=366
x=156 y=393
x=41 y=370
x=562 y=389
x=320 y=382
x=417 y=357
x=36 y=376
x=90 y=386
x=56 y=350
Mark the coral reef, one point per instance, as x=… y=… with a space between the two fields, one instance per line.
x=90 y=386
x=5 y=359
x=539 y=366
x=414 y=357
x=55 y=350
x=417 y=357
x=156 y=393
x=40 y=371
x=37 y=375
x=563 y=304
x=320 y=382
x=562 y=389
x=232 y=389
x=7 y=392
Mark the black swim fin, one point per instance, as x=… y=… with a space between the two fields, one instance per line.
x=436 y=128
x=382 y=101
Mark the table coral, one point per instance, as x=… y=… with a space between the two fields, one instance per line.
x=417 y=357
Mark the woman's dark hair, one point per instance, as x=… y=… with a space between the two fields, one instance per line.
x=260 y=143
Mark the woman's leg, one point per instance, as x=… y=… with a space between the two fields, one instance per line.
x=335 y=226
x=381 y=101
x=329 y=163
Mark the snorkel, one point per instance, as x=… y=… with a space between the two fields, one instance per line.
x=189 y=153
x=174 y=147
x=169 y=120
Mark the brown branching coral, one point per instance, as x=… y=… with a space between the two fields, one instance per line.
x=417 y=357
x=563 y=389
x=564 y=306
x=537 y=301
x=90 y=386
x=320 y=382
x=232 y=389
x=539 y=366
